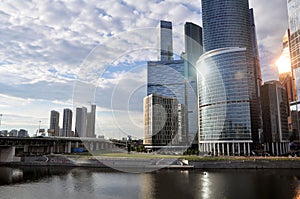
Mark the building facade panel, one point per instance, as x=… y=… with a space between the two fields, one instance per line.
x=160 y=120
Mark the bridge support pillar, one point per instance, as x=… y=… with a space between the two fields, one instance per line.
x=68 y=147
x=76 y=144
x=97 y=146
x=91 y=146
x=26 y=148
x=7 y=154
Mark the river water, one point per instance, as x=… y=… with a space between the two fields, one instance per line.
x=56 y=183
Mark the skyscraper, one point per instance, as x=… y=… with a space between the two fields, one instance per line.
x=67 y=123
x=227 y=79
x=81 y=122
x=294 y=38
x=166 y=77
x=275 y=117
x=294 y=47
x=193 y=50
x=91 y=119
x=165 y=41
x=54 y=123
x=286 y=78
x=193 y=47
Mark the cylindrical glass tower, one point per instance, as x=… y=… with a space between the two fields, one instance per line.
x=227 y=92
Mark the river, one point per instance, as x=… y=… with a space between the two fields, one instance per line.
x=56 y=182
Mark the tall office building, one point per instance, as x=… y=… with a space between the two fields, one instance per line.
x=81 y=122
x=275 y=117
x=54 y=123
x=166 y=77
x=193 y=47
x=160 y=120
x=91 y=122
x=229 y=111
x=67 y=123
x=286 y=78
x=256 y=112
x=193 y=50
x=294 y=39
x=165 y=41
x=294 y=47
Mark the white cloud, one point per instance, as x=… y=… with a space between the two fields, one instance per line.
x=46 y=45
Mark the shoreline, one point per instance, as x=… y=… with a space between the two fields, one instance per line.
x=138 y=163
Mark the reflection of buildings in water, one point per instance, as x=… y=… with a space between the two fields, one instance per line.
x=169 y=184
x=10 y=175
x=147 y=186
x=78 y=176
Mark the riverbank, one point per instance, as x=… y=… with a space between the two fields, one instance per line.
x=168 y=162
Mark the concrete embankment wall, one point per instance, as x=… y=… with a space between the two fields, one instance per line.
x=247 y=164
x=200 y=164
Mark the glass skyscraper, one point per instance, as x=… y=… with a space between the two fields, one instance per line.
x=294 y=44
x=229 y=110
x=193 y=50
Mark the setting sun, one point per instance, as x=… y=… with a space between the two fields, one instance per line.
x=283 y=63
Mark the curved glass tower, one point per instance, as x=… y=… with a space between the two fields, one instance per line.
x=229 y=110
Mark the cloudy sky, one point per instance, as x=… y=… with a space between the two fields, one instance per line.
x=55 y=53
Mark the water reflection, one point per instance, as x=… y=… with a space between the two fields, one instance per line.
x=34 y=182
x=9 y=175
x=206 y=185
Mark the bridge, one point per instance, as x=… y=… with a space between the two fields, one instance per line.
x=12 y=146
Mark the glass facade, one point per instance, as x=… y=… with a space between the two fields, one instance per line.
x=229 y=110
x=193 y=50
x=294 y=15
x=224 y=105
x=166 y=78
x=165 y=41
x=160 y=120
x=294 y=40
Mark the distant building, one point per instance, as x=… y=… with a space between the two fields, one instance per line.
x=81 y=122
x=160 y=120
x=67 y=123
x=165 y=41
x=13 y=133
x=286 y=80
x=3 y=133
x=91 y=122
x=22 y=133
x=54 y=123
x=275 y=117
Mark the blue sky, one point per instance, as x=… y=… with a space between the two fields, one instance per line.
x=49 y=56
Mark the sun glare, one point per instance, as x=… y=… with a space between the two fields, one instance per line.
x=283 y=63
